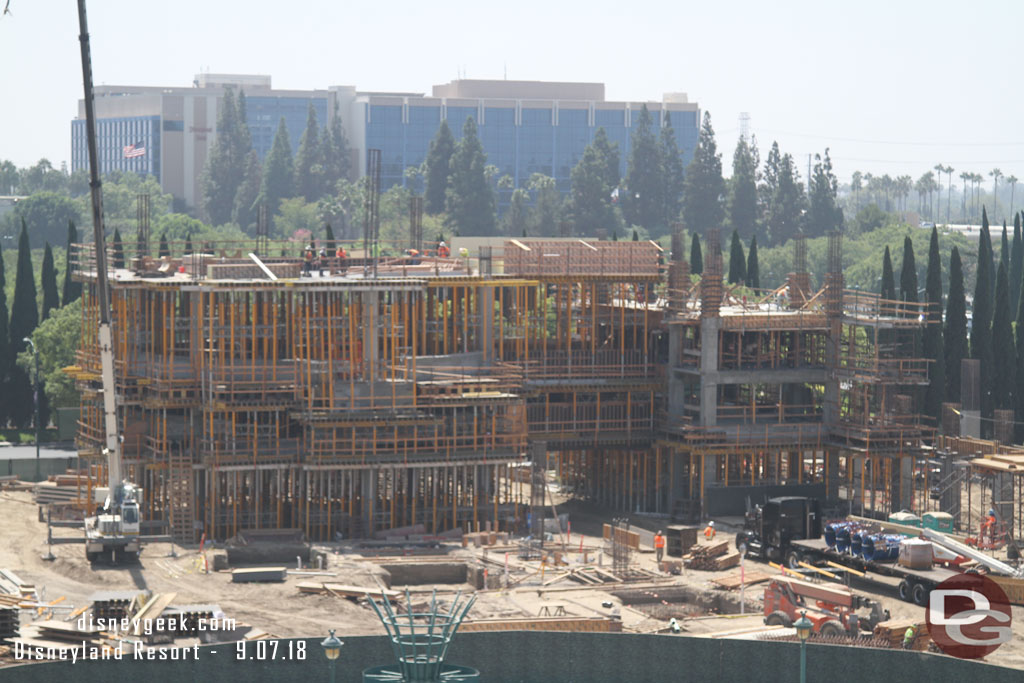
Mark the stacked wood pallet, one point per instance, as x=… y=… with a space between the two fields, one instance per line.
x=8 y=623
x=894 y=630
x=712 y=557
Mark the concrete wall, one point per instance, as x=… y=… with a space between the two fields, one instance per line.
x=532 y=656
x=25 y=468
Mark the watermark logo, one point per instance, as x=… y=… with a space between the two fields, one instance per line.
x=968 y=616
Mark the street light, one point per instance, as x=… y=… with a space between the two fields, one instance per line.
x=803 y=628
x=332 y=648
x=35 y=395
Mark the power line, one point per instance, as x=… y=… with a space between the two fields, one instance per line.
x=893 y=142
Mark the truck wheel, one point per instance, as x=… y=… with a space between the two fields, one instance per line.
x=778 y=618
x=831 y=628
x=905 y=590
x=793 y=559
x=91 y=557
x=920 y=595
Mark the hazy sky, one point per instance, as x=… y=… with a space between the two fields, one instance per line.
x=892 y=87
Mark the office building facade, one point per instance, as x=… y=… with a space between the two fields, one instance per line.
x=525 y=127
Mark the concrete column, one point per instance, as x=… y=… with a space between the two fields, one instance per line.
x=485 y=308
x=1002 y=498
x=368 y=489
x=832 y=481
x=369 y=335
x=709 y=327
x=906 y=497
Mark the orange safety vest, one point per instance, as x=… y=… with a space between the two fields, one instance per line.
x=443 y=252
x=659 y=541
x=709 y=532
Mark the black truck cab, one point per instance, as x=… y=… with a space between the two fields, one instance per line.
x=769 y=528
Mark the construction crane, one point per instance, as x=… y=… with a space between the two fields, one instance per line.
x=114 y=533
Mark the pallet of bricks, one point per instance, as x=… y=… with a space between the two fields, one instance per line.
x=894 y=630
x=711 y=557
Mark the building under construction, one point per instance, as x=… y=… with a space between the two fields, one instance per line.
x=381 y=393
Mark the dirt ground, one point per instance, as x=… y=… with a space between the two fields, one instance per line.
x=281 y=610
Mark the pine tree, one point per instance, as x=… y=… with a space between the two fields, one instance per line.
x=608 y=152
x=767 y=188
x=824 y=215
x=786 y=211
x=439 y=159
x=888 y=291
x=1016 y=263
x=246 y=208
x=696 y=257
x=6 y=357
x=24 y=320
x=337 y=159
x=118 y=250
x=672 y=173
x=223 y=171
x=743 y=191
x=309 y=168
x=51 y=299
x=470 y=198
x=165 y=249
x=72 y=289
x=934 y=349
x=981 y=322
x=1004 y=380
x=737 y=261
x=591 y=193
x=278 y=171
x=955 y=333
x=644 y=205
x=704 y=187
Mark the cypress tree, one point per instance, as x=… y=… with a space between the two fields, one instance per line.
x=1016 y=263
x=329 y=239
x=188 y=245
x=165 y=250
x=908 y=273
x=72 y=289
x=696 y=258
x=1018 y=390
x=1004 y=252
x=888 y=290
x=981 y=323
x=636 y=236
x=6 y=359
x=24 y=320
x=988 y=263
x=955 y=333
x=737 y=261
x=1002 y=344
x=933 y=342
x=51 y=299
x=753 y=269
x=118 y=255
x=439 y=159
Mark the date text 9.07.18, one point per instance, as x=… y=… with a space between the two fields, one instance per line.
x=270 y=650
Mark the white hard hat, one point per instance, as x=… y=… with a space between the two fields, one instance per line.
x=441 y=244
x=711 y=523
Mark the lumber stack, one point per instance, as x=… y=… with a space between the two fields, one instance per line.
x=711 y=557
x=8 y=623
x=339 y=590
x=893 y=631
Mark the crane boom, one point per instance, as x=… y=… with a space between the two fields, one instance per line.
x=113 y=445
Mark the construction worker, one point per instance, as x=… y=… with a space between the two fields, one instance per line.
x=307 y=261
x=709 y=531
x=414 y=256
x=988 y=527
x=341 y=256
x=321 y=260
x=908 y=637
x=443 y=251
x=659 y=546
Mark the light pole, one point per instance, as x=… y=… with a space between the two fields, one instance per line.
x=803 y=628
x=332 y=648
x=35 y=394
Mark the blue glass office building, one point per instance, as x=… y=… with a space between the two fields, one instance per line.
x=113 y=136
x=521 y=135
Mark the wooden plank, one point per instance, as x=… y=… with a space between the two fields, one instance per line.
x=345 y=591
x=733 y=580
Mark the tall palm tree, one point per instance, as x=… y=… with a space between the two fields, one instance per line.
x=855 y=185
x=965 y=176
x=939 y=170
x=996 y=175
x=949 y=188
x=1013 y=186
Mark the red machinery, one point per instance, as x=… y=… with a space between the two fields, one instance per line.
x=832 y=609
